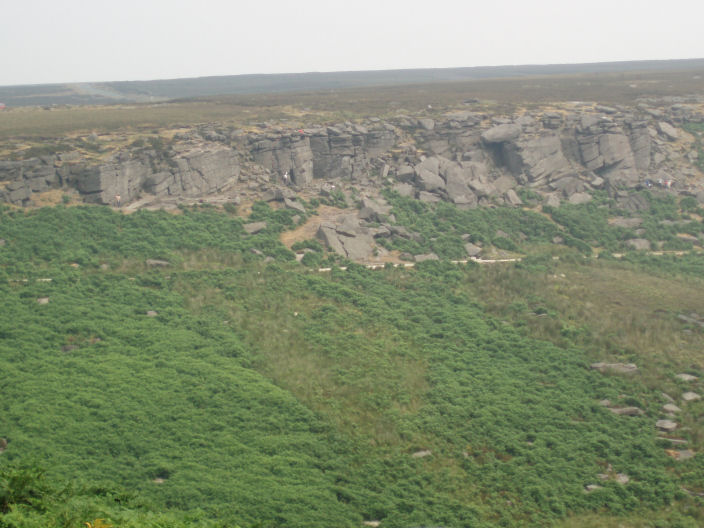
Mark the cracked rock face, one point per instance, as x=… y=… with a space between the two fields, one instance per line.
x=194 y=174
x=462 y=157
x=348 y=238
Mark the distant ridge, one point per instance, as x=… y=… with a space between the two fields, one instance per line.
x=170 y=89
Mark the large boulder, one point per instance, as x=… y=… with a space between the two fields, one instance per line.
x=512 y=198
x=667 y=130
x=358 y=247
x=580 y=198
x=619 y=167
x=538 y=160
x=620 y=368
x=501 y=133
x=328 y=234
x=456 y=178
x=404 y=189
x=374 y=210
x=472 y=250
x=347 y=238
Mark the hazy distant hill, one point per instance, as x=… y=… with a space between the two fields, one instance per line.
x=160 y=90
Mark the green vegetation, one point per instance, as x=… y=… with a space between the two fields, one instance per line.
x=221 y=390
x=444 y=229
x=442 y=225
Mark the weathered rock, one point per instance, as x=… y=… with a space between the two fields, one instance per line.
x=504 y=183
x=287 y=156
x=671 y=408
x=552 y=200
x=422 y=453
x=641 y=145
x=253 y=228
x=427 y=179
x=690 y=396
x=618 y=161
x=666 y=425
x=427 y=123
x=620 y=368
x=622 y=478
x=605 y=109
x=591 y=487
x=152 y=313
x=43 y=300
x=501 y=133
x=426 y=256
x=472 y=250
x=427 y=197
x=295 y=205
x=685 y=454
x=538 y=160
x=512 y=198
x=686 y=377
x=406 y=173
x=374 y=210
x=349 y=226
x=358 y=247
x=569 y=185
x=626 y=411
x=157 y=263
x=192 y=173
x=347 y=238
x=460 y=193
x=404 y=189
x=580 y=198
x=627 y=223
x=328 y=234
x=668 y=131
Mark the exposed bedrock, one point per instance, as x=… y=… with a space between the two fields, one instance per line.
x=464 y=157
x=194 y=173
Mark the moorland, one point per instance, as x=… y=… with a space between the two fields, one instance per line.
x=217 y=364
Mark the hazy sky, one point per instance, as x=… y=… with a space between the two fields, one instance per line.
x=44 y=41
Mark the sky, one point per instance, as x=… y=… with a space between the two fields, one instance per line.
x=63 y=41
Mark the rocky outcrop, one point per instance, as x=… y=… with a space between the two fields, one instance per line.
x=463 y=157
x=23 y=178
x=346 y=152
x=347 y=238
x=287 y=156
x=193 y=173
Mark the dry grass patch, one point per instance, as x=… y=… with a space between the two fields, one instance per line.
x=611 y=310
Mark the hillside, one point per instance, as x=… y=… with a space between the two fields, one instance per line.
x=467 y=313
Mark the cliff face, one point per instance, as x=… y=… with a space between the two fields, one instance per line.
x=465 y=157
